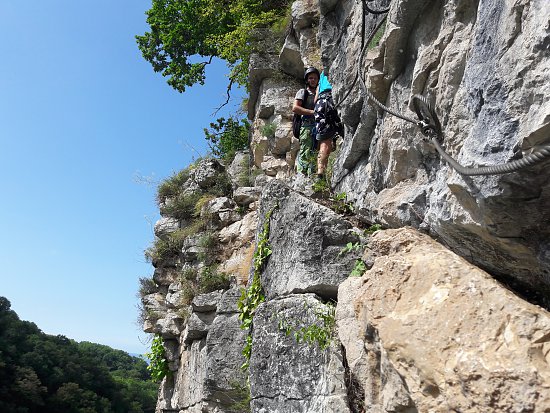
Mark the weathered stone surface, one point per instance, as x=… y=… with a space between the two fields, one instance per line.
x=290 y=60
x=261 y=67
x=224 y=345
x=259 y=144
x=237 y=266
x=197 y=326
x=246 y=195
x=485 y=66
x=206 y=173
x=242 y=230
x=220 y=212
x=272 y=165
x=188 y=388
x=209 y=374
x=276 y=97
x=191 y=248
x=457 y=340
x=165 y=226
x=238 y=171
x=165 y=276
x=169 y=326
x=228 y=301
x=205 y=303
x=306 y=240
x=305 y=13
x=301 y=377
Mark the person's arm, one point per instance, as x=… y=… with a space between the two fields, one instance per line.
x=300 y=110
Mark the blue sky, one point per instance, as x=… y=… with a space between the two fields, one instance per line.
x=82 y=114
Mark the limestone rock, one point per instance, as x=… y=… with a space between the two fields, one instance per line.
x=452 y=336
x=165 y=275
x=302 y=377
x=304 y=14
x=197 y=326
x=238 y=171
x=290 y=60
x=165 y=226
x=206 y=172
x=306 y=240
x=242 y=230
x=221 y=212
x=272 y=165
x=261 y=67
x=206 y=303
x=485 y=70
x=245 y=195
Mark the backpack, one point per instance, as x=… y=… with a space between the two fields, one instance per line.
x=327 y=120
x=296 y=125
x=297 y=119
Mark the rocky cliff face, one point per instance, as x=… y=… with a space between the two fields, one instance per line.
x=412 y=318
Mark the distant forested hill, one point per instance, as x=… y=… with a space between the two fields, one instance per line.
x=53 y=374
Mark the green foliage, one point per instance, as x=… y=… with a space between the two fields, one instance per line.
x=254 y=295
x=372 y=229
x=172 y=186
x=146 y=286
x=227 y=136
x=340 y=204
x=166 y=248
x=319 y=333
x=158 y=365
x=41 y=373
x=376 y=39
x=182 y=206
x=181 y=30
x=240 y=397
x=350 y=246
x=268 y=130
x=211 y=280
x=359 y=268
x=207 y=242
x=320 y=185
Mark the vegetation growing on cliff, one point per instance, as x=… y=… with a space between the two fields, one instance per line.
x=185 y=35
x=253 y=296
x=41 y=373
x=158 y=365
x=227 y=136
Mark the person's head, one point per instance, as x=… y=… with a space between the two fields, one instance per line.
x=311 y=77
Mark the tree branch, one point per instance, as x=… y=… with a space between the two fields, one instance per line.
x=228 y=91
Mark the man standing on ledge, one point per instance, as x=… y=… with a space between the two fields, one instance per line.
x=304 y=104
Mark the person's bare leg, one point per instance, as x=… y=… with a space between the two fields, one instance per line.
x=325 y=147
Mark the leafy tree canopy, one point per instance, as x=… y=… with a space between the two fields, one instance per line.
x=41 y=373
x=186 y=34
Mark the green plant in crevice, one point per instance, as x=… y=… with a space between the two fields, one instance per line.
x=210 y=279
x=372 y=229
x=320 y=185
x=319 y=333
x=378 y=35
x=268 y=130
x=240 y=397
x=147 y=286
x=158 y=365
x=359 y=268
x=340 y=204
x=253 y=296
x=166 y=248
x=351 y=246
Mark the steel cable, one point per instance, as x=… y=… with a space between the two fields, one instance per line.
x=431 y=127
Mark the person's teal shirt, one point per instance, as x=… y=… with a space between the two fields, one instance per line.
x=324 y=84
